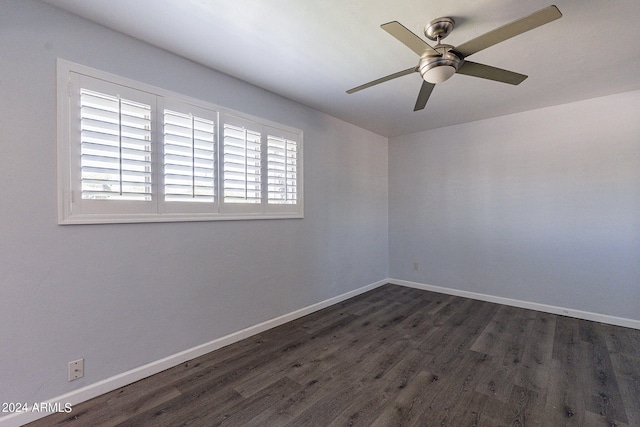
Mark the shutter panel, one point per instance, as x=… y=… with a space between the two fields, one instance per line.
x=189 y=158
x=242 y=165
x=115 y=149
x=282 y=170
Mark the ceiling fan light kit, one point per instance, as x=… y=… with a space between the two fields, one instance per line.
x=436 y=69
x=438 y=63
x=437 y=73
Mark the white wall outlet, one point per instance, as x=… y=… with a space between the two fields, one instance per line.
x=76 y=369
x=416 y=266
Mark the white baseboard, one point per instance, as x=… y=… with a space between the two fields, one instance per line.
x=109 y=384
x=585 y=315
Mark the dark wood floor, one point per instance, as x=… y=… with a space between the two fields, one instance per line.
x=395 y=356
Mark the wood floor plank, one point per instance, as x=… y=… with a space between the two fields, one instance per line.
x=286 y=410
x=420 y=322
x=622 y=340
x=412 y=362
x=565 y=396
x=460 y=332
x=362 y=411
x=533 y=372
x=470 y=409
x=244 y=412
x=523 y=403
x=623 y=345
x=442 y=398
x=596 y=420
x=497 y=382
x=395 y=356
x=604 y=398
x=188 y=409
x=508 y=323
x=408 y=405
x=627 y=371
x=327 y=407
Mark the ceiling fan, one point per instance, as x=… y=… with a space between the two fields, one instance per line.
x=438 y=63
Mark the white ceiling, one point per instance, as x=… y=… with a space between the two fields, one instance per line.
x=312 y=51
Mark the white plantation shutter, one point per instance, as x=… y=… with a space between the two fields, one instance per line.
x=129 y=152
x=282 y=170
x=189 y=158
x=242 y=165
x=115 y=148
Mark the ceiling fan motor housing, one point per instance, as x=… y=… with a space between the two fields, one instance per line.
x=436 y=69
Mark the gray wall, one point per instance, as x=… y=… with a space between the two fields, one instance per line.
x=542 y=206
x=125 y=295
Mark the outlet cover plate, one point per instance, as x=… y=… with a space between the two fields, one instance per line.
x=76 y=369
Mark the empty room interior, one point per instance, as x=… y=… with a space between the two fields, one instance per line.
x=210 y=217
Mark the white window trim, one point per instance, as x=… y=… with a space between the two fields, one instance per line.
x=67 y=149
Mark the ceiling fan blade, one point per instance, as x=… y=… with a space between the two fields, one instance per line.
x=519 y=26
x=491 y=73
x=383 y=79
x=423 y=96
x=408 y=38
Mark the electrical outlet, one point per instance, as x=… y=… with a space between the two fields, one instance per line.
x=76 y=369
x=416 y=266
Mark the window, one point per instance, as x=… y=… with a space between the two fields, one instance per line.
x=129 y=152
